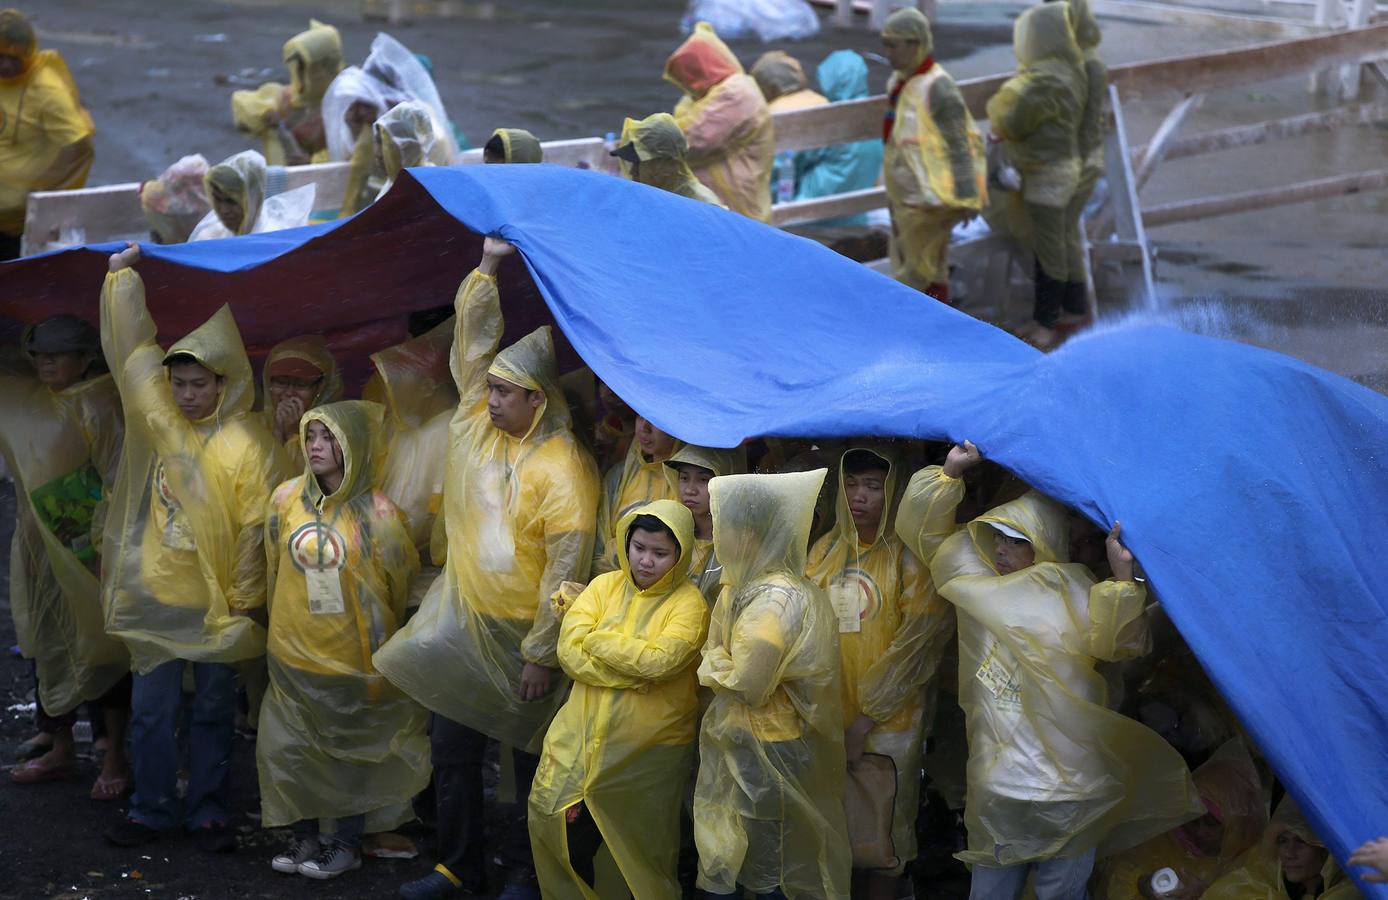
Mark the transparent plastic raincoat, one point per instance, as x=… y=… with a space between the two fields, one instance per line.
x=1260 y=875
x=43 y=124
x=312 y=349
x=183 y=543
x=824 y=171
x=623 y=743
x=768 y=801
x=661 y=148
x=289 y=120
x=390 y=75
x=242 y=177
x=409 y=137
x=1232 y=792
x=176 y=201
x=726 y=121
x=704 y=568
x=335 y=738
x=893 y=630
x=62 y=449
x=933 y=161
x=520 y=515
x=632 y=483
x=1052 y=772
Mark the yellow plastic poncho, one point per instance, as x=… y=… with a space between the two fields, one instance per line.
x=661 y=147
x=242 y=177
x=633 y=482
x=1260 y=876
x=312 y=349
x=184 y=537
x=768 y=801
x=1052 y=772
x=62 y=449
x=519 y=146
x=43 y=127
x=704 y=568
x=1232 y=792
x=288 y=119
x=410 y=137
x=623 y=744
x=520 y=515
x=726 y=121
x=336 y=739
x=893 y=630
x=933 y=162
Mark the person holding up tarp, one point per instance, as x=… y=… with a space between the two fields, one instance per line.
x=336 y=741
x=299 y=374
x=637 y=480
x=726 y=122
x=690 y=470
x=1054 y=777
x=45 y=134
x=1075 y=299
x=289 y=120
x=512 y=145
x=185 y=557
x=825 y=171
x=520 y=501
x=176 y=201
x=768 y=801
x=893 y=630
x=61 y=436
x=1037 y=115
x=618 y=756
x=236 y=192
x=653 y=152
x=1291 y=863
x=933 y=163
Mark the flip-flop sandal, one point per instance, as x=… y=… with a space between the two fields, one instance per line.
x=34 y=772
x=107 y=789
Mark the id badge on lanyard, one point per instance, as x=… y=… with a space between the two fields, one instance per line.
x=325 y=591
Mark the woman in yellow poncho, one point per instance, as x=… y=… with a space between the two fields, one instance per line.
x=638 y=479
x=299 y=374
x=768 y=801
x=1292 y=863
x=288 y=120
x=690 y=470
x=336 y=741
x=619 y=754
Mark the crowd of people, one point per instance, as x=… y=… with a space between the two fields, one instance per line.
x=752 y=659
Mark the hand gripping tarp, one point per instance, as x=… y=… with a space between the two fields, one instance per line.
x=1252 y=487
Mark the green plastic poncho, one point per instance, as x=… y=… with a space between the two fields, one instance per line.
x=661 y=147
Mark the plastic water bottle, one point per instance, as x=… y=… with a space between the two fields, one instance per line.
x=1164 y=881
x=785 y=176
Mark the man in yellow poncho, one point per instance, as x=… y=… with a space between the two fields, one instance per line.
x=618 y=755
x=638 y=479
x=768 y=801
x=690 y=470
x=1054 y=776
x=60 y=433
x=520 y=501
x=512 y=145
x=299 y=374
x=45 y=134
x=893 y=630
x=726 y=122
x=653 y=152
x=288 y=120
x=336 y=741
x=933 y=163
x=184 y=564
x=1292 y=863
x=1037 y=114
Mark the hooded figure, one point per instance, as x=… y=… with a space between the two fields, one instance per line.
x=336 y=739
x=782 y=81
x=704 y=568
x=623 y=743
x=1038 y=113
x=1053 y=774
x=768 y=802
x=184 y=546
x=288 y=120
x=933 y=162
x=634 y=482
x=409 y=137
x=45 y=134
x=653 y=152
x=235 y=189
x=825 y=171
x=176 y=201
x=1285 y=867
x=513 y=145
x=726 y=122
x=357 y=97
x=893 y=631
x=1204 y=849
x=305 y=359
x=62 y=447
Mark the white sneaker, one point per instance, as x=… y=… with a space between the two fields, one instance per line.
x=301 y=850
x=331 y=861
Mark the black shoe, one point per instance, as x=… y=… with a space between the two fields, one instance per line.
x=129 y=833
x=215 y=837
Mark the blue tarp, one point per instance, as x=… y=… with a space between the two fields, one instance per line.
x=1251 y=486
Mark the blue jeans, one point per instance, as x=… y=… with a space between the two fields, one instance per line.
x=348 y=834
x=1056 y=879
x=154 y=705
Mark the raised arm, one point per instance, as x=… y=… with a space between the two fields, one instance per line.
x=128 y=342
x=926 y=516
x=1118 y=624
x=478 y=326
